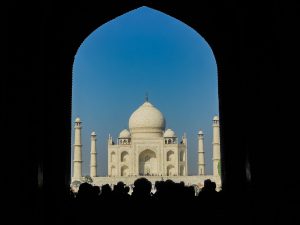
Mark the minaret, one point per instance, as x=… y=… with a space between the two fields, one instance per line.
x=201 y=162
x=216 y=145
x=110 y=140
x=77 y=174
x=93 y=169
x=184 y=141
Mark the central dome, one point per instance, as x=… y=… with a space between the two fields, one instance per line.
x=146 y=121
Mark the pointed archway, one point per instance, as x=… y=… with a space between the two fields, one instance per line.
x=147 y=163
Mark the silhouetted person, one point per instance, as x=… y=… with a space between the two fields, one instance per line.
x=141 y=190
x=158 y=187
x=85 y=192
x=126 y=193
x=119 y=192
x=208 y=196
x=169 y=197
x=96 y=191
x=85 y=204
x=189 y=193
x=106 y=193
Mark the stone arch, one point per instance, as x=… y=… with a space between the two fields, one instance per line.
x=147 y=163
x=170 y=155
x=170 y=170
x=113 y=157
x=124 y=171
x=78 y=31
x=124 y=156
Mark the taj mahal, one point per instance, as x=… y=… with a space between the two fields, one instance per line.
x=148 y=149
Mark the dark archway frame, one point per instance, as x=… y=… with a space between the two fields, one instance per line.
x=247 y=40
x=80 y=22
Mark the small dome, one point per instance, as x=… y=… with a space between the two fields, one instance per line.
x=146 y=121
x=216 y=118
x=77 y=120
x=169 y=133
x=200 y=132
x=124 y=134
x=93 y=133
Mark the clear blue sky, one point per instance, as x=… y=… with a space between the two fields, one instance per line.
x=144 y=51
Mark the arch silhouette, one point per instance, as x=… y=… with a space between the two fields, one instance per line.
x=62 y=29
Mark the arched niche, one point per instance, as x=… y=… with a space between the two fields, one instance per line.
x=171 y=170
x=147 y=163
x=170 y=155
x=124 y=171
x=124 y=156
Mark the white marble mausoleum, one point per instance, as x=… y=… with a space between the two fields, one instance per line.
x=148 y=149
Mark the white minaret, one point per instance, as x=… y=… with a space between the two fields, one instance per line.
x=93 y=169
x=184 y=141
x=77 y=174
x=216 y=145
x=201 y=162
x=110 y=140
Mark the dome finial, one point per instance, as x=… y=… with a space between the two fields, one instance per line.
x=146 y=97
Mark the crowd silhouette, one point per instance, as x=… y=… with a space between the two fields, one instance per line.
x=170 y=201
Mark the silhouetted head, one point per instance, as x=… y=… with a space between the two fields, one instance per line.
x=142 y=186
x=106 y=189
x=207 y=183
x=158 y=185
x=169 y=184
x=191 y=191
x=96 y=190
x=85 y=190
x=120 y=185
x=126 y=189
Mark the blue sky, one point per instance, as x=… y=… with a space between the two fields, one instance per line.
x=143 y=51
